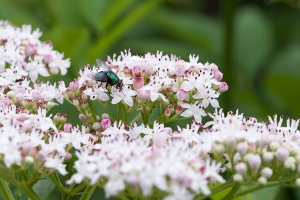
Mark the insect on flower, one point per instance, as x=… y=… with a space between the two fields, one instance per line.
x=107 y=76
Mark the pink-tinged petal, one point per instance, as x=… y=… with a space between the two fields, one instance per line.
x=153 y=96
x=116 y=100
x=205 y=103
x=33 y=76
x=186 y=105
x=103 y=97
x=129 y=101
x=198 y=118
x=186 y=86
x=162 y=97
x=214 y=103
x=187 y=113
x=198 y=95
x=44 y=72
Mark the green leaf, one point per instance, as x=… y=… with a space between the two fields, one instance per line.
x=193 y=28
x=44 y=187
x=73 y=42
x=135 y=15
x=17 y=14
x=282 y=81
x=253 y=40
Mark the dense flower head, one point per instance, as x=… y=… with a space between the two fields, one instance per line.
x=154 y=79
x=23 y=54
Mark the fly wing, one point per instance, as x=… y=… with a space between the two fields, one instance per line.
x=103 y=66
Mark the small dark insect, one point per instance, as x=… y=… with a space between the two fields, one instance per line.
x=107 y=76
x=20 y=80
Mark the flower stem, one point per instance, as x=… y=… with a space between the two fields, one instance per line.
x=232 y=193
x=88 y=192
x=5 y=191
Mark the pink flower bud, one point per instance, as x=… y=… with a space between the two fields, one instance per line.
x=223 y=87
x=36 y=96
x=179 y=69
x=143 y=94
x=105 y=123
x=242 y=148
x=54 y=70
x=138 y=82
x=47 y=58
x=82 y=117
x=105 y=116
x=181 y=94
x=218 y=75
x=68 y=156
x=266 y=172
x=68 y=127
x=282 y=154
x=75 y=101
x=30 y=50
x=241 y=168
x=159 y=140
x=178 y=110
x=74 y=85
x=230 y=141
x=268 y=157
x=254 y=162
x=19 y=97
x=168 y=112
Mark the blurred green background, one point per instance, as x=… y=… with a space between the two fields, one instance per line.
x=256 y=44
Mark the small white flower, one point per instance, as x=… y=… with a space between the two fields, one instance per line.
x=126 y=95
x=56 y=163
x=195 y=110
x=97 y=92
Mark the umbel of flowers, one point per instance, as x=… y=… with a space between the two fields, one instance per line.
x=127 y=147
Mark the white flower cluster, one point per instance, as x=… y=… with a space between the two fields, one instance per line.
x=143 y=157
x=23 y=54
x=28 y=138
x=252 y=147
x=185 y=162
x=154 y=78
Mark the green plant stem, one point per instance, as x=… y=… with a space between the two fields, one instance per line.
x=216 y=190
x=259 y=187
x=57 y=182
x=88 y=192
x=232 y=192
x=77 y=189
x=229 y=8
x=5 y=191
x=20 y=185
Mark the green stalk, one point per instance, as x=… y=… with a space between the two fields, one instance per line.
x=232 y=193
x=5 y=191
x=88 y=192
x=229 y=8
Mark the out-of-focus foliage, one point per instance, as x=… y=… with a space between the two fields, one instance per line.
x=255 y=43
